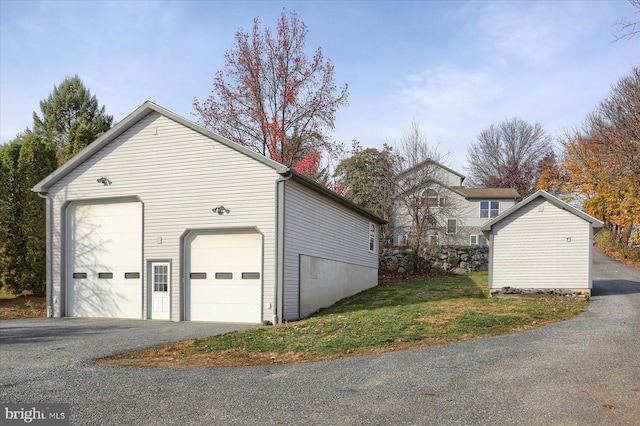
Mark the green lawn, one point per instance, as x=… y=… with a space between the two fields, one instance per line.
x=394 y=315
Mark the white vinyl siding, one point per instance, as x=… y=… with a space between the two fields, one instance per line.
x=324 y=229
x=179 y=175
x=541 y=246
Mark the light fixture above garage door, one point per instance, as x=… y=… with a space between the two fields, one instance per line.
x=221 y=210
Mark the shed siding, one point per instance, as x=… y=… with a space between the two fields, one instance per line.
x=531 y=249
x=179 y=175
x=324 y=229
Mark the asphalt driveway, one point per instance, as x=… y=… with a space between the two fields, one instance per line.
x=585 y=371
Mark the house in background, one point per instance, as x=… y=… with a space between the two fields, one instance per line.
x=160 y=218
x=541 y=243
x=458 y=212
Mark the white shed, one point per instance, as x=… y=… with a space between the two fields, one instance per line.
x=160 y=218
x=541 y=243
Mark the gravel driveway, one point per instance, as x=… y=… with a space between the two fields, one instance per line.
x=585 y=371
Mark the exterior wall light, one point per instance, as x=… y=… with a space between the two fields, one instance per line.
x=221 y=210
x=105 y=181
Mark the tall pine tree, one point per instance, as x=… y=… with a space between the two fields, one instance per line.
x=70 y=103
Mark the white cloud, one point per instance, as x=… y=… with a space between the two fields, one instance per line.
x=449 y=91
x=533 y=33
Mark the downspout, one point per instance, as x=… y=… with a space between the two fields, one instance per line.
x=278 y=292
x=490 y=240
x=48 y=216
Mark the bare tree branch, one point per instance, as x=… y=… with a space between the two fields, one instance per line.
x=626 y=28
x=509 y=155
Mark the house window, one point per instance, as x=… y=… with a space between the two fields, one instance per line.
x=489 y=209
x=478 y=240
x=433 y=240
x=452 y=226
x=161 y=277
x=372 y=237
x=432 y=198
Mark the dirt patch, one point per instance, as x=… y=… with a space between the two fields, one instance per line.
x=178 y=357
x=23 y=307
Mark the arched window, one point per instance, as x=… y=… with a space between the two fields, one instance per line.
x=431 y=197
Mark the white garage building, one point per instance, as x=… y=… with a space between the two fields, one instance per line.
x=160 y=218
x=541 y=243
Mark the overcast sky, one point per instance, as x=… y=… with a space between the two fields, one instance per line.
x=455 y=67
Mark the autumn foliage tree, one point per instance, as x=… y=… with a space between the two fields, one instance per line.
x=602 y=159
x=273 y=98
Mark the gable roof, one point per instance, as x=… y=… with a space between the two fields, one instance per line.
x=149 y=107
x=130 y=120
x=430 y=161
x=487 y=192
x=595 y=223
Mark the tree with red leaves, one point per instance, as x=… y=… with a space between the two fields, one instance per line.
x=273 y=98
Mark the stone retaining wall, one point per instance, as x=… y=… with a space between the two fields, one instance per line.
x=457 y=259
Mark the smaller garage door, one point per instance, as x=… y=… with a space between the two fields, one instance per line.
x=224 y=277
x=104 y=257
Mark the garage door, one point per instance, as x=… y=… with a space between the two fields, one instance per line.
x=224 y=277
x=104 y=257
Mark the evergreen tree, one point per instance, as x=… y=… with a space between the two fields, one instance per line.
x=23 y=163
x=80 y=135
x=70 y=102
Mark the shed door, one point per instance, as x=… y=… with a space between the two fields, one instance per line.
x=104 y=258
x=224 y=277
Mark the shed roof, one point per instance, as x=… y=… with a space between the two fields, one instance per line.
x=487 y=192
x=149 y=107
x=595 y=223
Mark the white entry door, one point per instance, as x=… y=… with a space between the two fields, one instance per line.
x=160 y=273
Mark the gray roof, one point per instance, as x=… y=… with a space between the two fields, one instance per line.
x=430 y=161
x=149 y=107
x=595 y=223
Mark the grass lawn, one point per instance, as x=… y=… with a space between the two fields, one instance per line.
x=392 y=316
